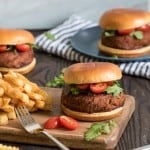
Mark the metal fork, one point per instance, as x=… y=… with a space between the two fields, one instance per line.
x=33 y=127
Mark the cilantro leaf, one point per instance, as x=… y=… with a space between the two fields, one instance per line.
x=93 y=132
x=74 y=90
x=50 y=36
x=112 y=123
x=98 y=129
x=137 y=34
x=115 y=56
x=33 y=46
x=58 y=81
x=115 y=89
x=109 y=33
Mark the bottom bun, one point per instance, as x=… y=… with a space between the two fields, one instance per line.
x=124 y=53
x=22 y=70
x=93 y=116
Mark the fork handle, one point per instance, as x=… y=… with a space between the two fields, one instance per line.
x=57 y=142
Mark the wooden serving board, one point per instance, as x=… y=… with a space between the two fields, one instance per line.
x=74 y=139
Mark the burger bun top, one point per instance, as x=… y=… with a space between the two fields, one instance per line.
x=124 y=18
x=92 y=72
x=15 y=36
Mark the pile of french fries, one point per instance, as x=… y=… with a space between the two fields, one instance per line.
x=5 y=147
x=16 y=90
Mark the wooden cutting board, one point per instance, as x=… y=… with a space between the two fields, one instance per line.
x=74 y=139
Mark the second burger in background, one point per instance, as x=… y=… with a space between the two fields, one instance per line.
x=16 y=51
x=92 y=91
x=126 y=32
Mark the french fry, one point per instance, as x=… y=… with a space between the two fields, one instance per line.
x=8 y=108
x=1 y=102
x=35 y=96
x=3 y=118
x=27 y=88
x=1 y=76
x=31 y=104
x=4 y=85
x=13 y=80
x=1 y=91
x=5 y=100
x=5 y=147
x=11 y=115
x=39 y=104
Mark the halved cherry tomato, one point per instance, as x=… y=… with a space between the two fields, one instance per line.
x=23 y=47
x=68 y=122
x=82 y=86
x=52 y=123
x=126 y=31
x=3 y=48
x=144 y=28
x=98 y=87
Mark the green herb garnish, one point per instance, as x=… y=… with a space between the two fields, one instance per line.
x=58 y=81
x=74 y=90
x=33 y=46
x=10 y=47
x=115 y=89
x=50 y=36
x=137 y=34
x=98 y=129
x=115 y=56
x=109 y=33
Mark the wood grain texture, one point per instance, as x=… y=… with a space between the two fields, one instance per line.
x=74 y=139
x=138 y=130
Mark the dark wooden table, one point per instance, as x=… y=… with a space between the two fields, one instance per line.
x=137 y=132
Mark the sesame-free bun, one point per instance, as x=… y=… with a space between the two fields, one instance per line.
x=99 y=116
x=23 y=70
x=22 y=62
x=92 y=72
x=15 y=36
x=123 y=53
x=124 y=18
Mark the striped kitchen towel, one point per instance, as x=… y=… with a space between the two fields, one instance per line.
x=57 y=41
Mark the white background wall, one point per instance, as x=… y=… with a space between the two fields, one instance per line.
x=40 y=14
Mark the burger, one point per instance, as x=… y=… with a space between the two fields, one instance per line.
x=126 y=32
x=16 y=51
x=92 y=91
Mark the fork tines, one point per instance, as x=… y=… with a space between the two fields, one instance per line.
x=24 y=115
x=26 y=119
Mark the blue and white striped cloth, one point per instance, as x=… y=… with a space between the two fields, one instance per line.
x=61 y=46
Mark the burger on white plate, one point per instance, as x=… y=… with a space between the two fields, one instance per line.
x=126 y=32
x=92 y=91
x=16 y=50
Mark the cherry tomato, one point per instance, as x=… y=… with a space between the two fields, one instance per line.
x=52 y=123
x=23 y=47
x=126 y=31
x=68 y=122
x=3 y=48
x=144 y=28
x=82 y=86
x=98 y=87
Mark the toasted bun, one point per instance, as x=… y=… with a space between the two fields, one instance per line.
x=124 y=18
x=23 y=70
x=15 y=36
x=93 y=116
x=124 y=53
x=92 y=72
